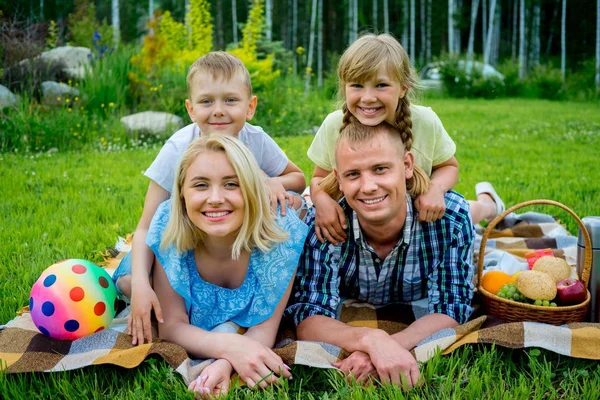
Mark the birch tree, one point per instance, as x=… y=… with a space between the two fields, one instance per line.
x=294 y=35
x=41 y=10
x=150 y=9
x=522 y=60
x=116 y=24
x=428 y=39
x=563 y=40
x=412 y=31
x=534 y=59
x=598 y=45
x=311 y=45
x=386 y=16
x=497 y=29
x=320 y=45
x=423 y=32
x=269 y=19
x=451 y=26
x=234 y=22
x=514 y=30
x=552 y=23
x=474 y=11
x=352 y=21
x=375 y=12
x=405 y=37
x=457 y=8
x=490 y=34
x=483 y=24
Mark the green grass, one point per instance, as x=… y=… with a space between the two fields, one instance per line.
x=73 y=205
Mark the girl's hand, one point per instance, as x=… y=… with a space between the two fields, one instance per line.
x=255 y=363
x=214 y=379
x=279 y=195
x=330 y=221
x=431 y=205
x=143 y=300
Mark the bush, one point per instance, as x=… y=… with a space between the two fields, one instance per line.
x=460 y=83
x=27 y=76
x=581 y=85
x=84 y=27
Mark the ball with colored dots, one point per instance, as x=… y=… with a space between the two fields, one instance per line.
x=71 y=299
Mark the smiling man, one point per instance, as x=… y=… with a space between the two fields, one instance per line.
x=389 y=257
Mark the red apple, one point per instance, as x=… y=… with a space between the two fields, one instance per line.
x=571 y=291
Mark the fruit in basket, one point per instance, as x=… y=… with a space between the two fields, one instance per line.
x=571 y=291
x=536 y=285
x=558 y=268
x=493 y=281
x=510 y=292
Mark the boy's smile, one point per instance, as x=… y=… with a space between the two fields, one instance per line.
x=218 y=105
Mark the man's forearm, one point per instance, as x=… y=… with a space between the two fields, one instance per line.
x=423 y=328
x=320 y=328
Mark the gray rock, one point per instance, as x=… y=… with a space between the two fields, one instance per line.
x=153 y=122
x=7 y=98
x=51 y=91
x=75 y=59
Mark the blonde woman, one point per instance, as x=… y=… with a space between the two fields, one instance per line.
x=223 y=257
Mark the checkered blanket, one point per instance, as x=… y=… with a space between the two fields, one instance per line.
x=24 y=349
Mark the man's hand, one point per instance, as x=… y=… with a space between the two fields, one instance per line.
x=279 y=195
x=357 y=365
x=393 y=363
x=143 y=300
x=330 y=221
x=431 y=205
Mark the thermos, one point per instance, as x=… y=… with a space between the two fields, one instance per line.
x=592 y=225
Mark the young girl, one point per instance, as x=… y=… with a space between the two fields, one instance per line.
x=220 y=100
x=222 y=256
x=376 y=80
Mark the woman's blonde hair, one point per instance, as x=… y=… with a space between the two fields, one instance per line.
x=258 y=229
x=356 y=133
x=363 y=59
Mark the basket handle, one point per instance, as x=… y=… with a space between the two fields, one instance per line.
x=585 y=274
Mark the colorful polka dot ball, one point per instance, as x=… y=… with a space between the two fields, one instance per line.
x=72 y=299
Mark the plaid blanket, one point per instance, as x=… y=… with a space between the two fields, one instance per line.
x=24 y=349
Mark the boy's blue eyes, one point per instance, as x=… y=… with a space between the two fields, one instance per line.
x=209 y=101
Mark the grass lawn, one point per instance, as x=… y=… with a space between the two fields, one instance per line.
x=73 y=205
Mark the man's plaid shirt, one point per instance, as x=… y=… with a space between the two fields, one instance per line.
x=433 y=260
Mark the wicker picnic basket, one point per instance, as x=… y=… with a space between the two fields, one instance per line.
x=512 y=311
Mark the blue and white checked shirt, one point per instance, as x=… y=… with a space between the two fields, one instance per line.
x=433 y=260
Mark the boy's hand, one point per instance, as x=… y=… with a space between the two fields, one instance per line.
x=214 y=379
x=431 y=205
x=279 y=195
x=143 y=300
x=330 y=221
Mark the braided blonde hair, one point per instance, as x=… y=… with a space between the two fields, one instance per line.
x=363 y=59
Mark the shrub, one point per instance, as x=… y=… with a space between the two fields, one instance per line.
x=462 y=83
x=27 y=76
x=84 y=26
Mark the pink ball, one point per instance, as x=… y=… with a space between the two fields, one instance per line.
x=71 y=299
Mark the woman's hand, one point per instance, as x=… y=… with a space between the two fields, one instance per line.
x=255 y=363
x=214 y=379
x=143 y=300
x=330 y=221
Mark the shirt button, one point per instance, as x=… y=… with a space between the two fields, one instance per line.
x=377 y=260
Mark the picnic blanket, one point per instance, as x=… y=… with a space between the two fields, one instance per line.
x=24 y=349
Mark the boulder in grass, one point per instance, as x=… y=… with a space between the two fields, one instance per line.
x=56 y=93
x=153 y=122
x=7 y=98
x=75 y=59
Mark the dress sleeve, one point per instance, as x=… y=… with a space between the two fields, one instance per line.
x=322 y=150
x=174 y=263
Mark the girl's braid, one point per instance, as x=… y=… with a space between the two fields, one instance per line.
x=347 y=117
x=404 y=122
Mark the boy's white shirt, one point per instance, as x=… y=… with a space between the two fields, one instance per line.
x=271 y=159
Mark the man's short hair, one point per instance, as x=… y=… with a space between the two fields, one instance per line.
x=220 y=65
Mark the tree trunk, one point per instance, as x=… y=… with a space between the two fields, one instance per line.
x=220 y=37
x=497 y=29
x=563 y=40
x=552 y=24
x=490 y=34
x=450 y=26
x=375 y=12
x=386 y=16
x=320 y=45
x=428 y=50
x=404 y=22
x=41 y=10
x=150 y=10
x=295 y=36
x=514 y=30
x=598 y=46
x=234 y=22
x=269 y=20
x=412 y=31
x=522 y=61
x=311 y=45
x=474 y=11
x=484 y=25
x=423 y=33
x=355 y=21
x=534 y=58
x=457 y=12
x=116 y=24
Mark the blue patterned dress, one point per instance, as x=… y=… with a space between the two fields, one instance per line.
x=254 y=301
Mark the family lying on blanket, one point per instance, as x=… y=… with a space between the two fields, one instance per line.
x=225 y=238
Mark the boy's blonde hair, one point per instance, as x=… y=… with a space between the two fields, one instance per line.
x=221 y=66
x=258 y=229
x=356 y=133
x=363 y=59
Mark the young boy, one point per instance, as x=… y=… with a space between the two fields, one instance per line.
x=219 y=100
